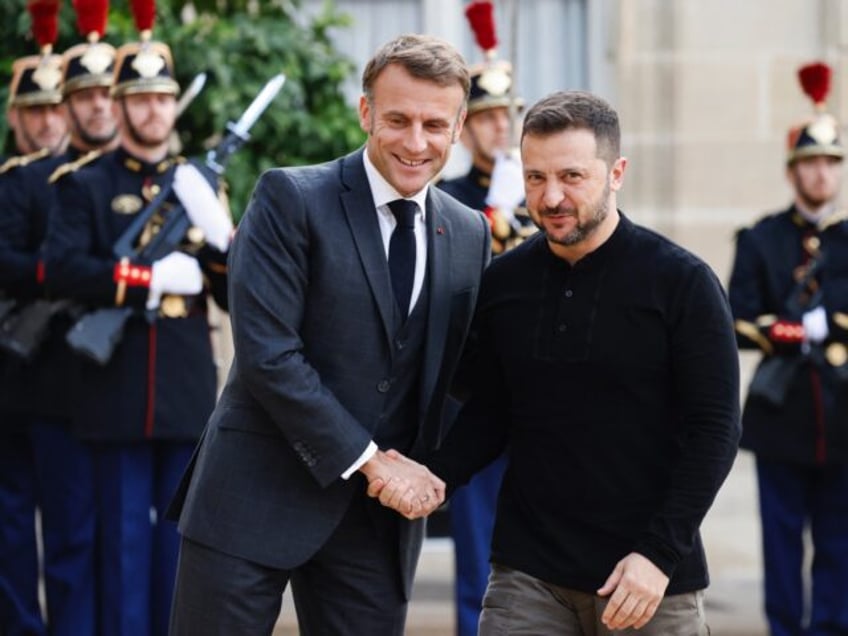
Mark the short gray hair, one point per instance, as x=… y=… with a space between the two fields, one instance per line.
x=424 y=57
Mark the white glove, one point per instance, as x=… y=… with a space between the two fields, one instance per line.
x=203 y=206
x=176 y=273
x=815 y=325
x=506 y=190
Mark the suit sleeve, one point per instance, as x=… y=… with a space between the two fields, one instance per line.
x=269 y=281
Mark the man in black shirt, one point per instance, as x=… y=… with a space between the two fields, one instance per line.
x=603 y=356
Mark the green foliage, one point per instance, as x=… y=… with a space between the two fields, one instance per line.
x=240 y=44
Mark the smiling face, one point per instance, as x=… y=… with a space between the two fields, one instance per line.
x=570 y=190
x=411 y=124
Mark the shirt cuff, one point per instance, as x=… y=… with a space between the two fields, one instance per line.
x=367 y=454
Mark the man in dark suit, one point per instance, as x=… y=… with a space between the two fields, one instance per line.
x=335 y=375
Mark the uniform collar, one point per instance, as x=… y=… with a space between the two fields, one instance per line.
x=144 y=168
x=482 y=179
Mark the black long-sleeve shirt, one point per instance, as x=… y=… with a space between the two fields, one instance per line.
x=614 y=384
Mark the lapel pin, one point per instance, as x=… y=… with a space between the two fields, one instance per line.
x=440 y=230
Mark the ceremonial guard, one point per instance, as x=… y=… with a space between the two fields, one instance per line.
x=495 y=186
x=142 y=407
x=789 y=295
x=35 y=118
x=32 y=336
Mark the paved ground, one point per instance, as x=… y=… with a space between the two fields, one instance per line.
x=731 y=536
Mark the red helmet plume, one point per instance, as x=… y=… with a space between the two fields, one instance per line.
x=481 y=17
x=45 y=22
x=815 y=81
x=144 y=14
x=91 y=17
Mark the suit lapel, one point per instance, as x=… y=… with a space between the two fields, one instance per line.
x=358 y=207
x=438 y=263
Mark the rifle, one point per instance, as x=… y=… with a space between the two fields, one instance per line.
x=22 y=332
x=97 y=333
x=774 y=374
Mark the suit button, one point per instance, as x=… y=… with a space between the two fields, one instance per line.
x=384 y=385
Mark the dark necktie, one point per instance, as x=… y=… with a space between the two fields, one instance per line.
x=402 y=252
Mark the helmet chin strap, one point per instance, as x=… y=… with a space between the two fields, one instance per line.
x=87 y=139
x=134 y=135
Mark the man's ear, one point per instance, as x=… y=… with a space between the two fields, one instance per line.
x=364 y=114
x=460 y=123
x=617 y=173
x=12 y=117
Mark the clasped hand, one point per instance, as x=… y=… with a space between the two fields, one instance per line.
x=403 y=484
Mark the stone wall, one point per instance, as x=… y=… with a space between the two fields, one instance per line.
x=706 y=92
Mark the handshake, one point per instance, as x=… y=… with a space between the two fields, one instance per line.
x=403 y=484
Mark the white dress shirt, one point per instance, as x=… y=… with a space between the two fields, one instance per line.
x=384 y=193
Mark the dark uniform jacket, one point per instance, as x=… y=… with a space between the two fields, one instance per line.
x=472 y=189
x=160 y=383
x=38 y=386
x=797 y=406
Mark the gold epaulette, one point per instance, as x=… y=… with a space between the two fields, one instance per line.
x=840 y=319
x=752 y=332
x=73 y=166
x=23 y=160
x=833 y=219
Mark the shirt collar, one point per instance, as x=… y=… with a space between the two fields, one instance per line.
x=817 y=217
x=616 y=242
x=383 y=192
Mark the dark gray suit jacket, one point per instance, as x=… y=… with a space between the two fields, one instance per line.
x=311 y=307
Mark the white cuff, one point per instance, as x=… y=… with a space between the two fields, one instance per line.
x=367 y=454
